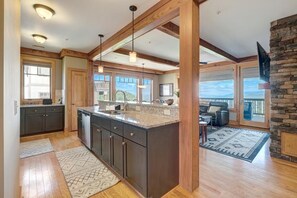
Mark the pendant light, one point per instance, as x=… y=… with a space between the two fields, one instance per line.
x=142 y=86
x=100 y=67
x=132 y=54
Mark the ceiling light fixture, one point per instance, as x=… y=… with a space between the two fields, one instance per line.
x=142 y=86
x=43 y=11
x=100 y=67
x=132 y=54
x=39 y=38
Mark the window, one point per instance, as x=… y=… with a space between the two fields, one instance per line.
x=37 y=82
x=217 y=86
x=147 y=91
x=101 y=87
x=128 y=85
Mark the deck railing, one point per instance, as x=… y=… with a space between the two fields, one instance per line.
x=258 y=105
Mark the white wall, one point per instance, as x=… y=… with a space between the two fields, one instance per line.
x=9 y=93
x=169 y=78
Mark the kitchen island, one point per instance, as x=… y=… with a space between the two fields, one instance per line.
x=141 y=148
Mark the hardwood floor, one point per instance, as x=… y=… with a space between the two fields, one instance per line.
x=220 y=175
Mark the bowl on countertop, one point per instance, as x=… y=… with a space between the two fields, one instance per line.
x=169 y=101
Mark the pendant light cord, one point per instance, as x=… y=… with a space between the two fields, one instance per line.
x=100 y=50
x=132 y=31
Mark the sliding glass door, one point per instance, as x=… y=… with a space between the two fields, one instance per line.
x=254 y=102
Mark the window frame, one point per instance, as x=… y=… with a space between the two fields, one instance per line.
x=38 y=61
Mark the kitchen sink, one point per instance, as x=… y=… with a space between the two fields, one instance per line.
x=112 y=112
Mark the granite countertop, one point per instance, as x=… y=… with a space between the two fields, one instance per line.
x=143 y=120
x=41 y=105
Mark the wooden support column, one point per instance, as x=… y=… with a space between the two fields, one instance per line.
x=188 y=103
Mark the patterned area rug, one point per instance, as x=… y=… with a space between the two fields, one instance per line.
x=239 y=143
x=84 y=173
x=35 y=147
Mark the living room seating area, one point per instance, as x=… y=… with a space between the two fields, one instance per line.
x=218 y=111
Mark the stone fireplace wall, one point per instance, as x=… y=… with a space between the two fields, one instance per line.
x=283 y=81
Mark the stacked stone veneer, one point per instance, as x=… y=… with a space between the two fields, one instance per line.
x=283 y=81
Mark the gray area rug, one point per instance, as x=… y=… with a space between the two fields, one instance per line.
x=35 y=147
x=239 y=143
x=85 y=175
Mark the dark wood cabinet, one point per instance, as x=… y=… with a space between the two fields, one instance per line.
x=105 y=145
x=34 y=123
x=35 y=120
x=117 y=152
x=97 y=139
x=146 y=158
x=135 y=166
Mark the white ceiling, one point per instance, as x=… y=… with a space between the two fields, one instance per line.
x=232 y=25
x=162 y=45
x=124 y=59
x=240 y=23
x=78 y=21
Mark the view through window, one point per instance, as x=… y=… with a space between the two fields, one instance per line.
x=101 y=87
x=128 y=84
x=37 y=82
x=146 y=92
x=217 y=86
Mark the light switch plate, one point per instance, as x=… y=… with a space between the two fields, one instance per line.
x=15 y=107
x=166 y=112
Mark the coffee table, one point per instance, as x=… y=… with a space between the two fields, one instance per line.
x=207 y=119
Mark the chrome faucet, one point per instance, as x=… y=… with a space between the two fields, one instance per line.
x=125 y=98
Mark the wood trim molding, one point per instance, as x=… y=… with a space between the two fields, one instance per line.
x=173 y=30
x=39 y=53
x=248 y=59
x=148 y=57
x=160 y=13
x=72 y=53
x=37 y=60
x=127 y=67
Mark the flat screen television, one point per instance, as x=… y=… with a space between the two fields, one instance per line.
x=264 y=63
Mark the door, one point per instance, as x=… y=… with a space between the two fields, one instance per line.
x=54 y=122
x=135 y=165
x=34 y=123
x=78 y=95
x=97 y=139
x=105 y=145
x=254 y=102
x=117 y=153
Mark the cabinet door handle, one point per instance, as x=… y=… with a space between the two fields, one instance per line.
x=114 y=127
x=35 y=110
x=98 y=130
x=131 y=134
x=46 y=115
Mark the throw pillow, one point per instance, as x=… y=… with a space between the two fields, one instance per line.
x=213 y=109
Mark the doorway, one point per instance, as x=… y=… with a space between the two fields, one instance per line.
x=77 y=95
x=254 y=102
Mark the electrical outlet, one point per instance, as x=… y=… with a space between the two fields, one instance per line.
x=166 y=112
x=137 y=108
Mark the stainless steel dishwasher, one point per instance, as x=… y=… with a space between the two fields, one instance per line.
x=86 y=129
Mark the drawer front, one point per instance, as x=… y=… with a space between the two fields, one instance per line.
x=116 y=127
x=135 y=134
x=33 y=110
x=54 y=109
x=100 y=121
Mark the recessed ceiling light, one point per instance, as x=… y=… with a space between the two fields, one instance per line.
x=43 y=11
x=39 y=38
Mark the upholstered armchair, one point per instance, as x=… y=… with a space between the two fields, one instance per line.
x=218 y=111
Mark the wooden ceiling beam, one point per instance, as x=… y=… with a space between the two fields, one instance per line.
x=173 y=30
x=160 y=13
x=127 y=67
x=39 y=53
x=148 y=57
